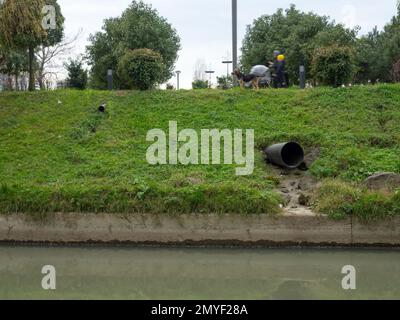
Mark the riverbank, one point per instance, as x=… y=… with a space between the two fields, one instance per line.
x=59 y=154
x=200 y=230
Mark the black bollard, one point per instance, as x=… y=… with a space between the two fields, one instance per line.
x=109 y=79
x=289 y=155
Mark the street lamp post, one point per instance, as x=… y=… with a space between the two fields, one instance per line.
x=234 y=36
x=177 y=79
x=210 y=72
x=227 y=66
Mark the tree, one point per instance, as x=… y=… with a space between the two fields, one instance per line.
x=200 y=69
x=294 y=33
x=140 y=69
x=53 y=45
x=140 y=26
x=370 y=66
x=21 y=27
x=77 y=76
x=390 y=45
x=13 y=63
x=46 y=57
x=333 y=65
x=377 y=52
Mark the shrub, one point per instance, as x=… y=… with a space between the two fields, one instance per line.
x=140 y=69
x=200 y=84
x=225 y=82
x=333 y=65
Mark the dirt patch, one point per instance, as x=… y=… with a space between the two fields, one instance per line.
x=296 y=188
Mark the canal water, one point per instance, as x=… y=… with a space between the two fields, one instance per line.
x=157 y=273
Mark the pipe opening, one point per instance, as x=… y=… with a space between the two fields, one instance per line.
x=292 y=154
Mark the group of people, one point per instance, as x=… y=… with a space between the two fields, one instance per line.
x=274 y=73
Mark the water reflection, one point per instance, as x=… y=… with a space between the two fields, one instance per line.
x=151 y=273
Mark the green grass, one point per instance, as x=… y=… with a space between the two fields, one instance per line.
x=67 y=158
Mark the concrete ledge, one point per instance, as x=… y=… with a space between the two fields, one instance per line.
x=376 y=232
x=198 y=229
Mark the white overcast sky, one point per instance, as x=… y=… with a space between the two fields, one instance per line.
x=205 y=25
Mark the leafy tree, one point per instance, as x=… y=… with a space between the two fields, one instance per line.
x=140 y=26
x=377 y=52
x=295 y=33
x=333 y=65
x=140 y=69
x=199 y=84
x=54 y=35
x=77 y=76
x=21 y=28
x=390 y=45
x=13 y=63
x=370 y=65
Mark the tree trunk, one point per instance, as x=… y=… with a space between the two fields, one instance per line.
x=9 y=82
x=16 y=82
x=40 y=80
x=31 y=69
x=41 y=69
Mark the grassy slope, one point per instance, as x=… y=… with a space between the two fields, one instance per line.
x=65 y=157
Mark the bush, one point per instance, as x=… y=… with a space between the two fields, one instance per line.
x=336 y=198
x=225 y=82
x=333 y=65
x=77 y=76
x=140 y=69
x=200 y=84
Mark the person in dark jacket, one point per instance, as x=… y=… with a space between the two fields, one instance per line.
x=280 y=68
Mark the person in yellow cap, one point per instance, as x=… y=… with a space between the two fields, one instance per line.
x=280 y=71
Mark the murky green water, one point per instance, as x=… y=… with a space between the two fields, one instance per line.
x=151 y=273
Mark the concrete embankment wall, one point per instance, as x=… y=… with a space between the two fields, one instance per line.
x=261 y=230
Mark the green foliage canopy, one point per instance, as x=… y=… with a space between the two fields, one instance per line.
x=333 y=65
x=77 y=76
x=295 y=33
x=21 y=29
x=140 y=26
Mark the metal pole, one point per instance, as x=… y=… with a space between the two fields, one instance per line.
x=210 y=72
x=234 y=36
x=227 y=67
x=177 y=79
